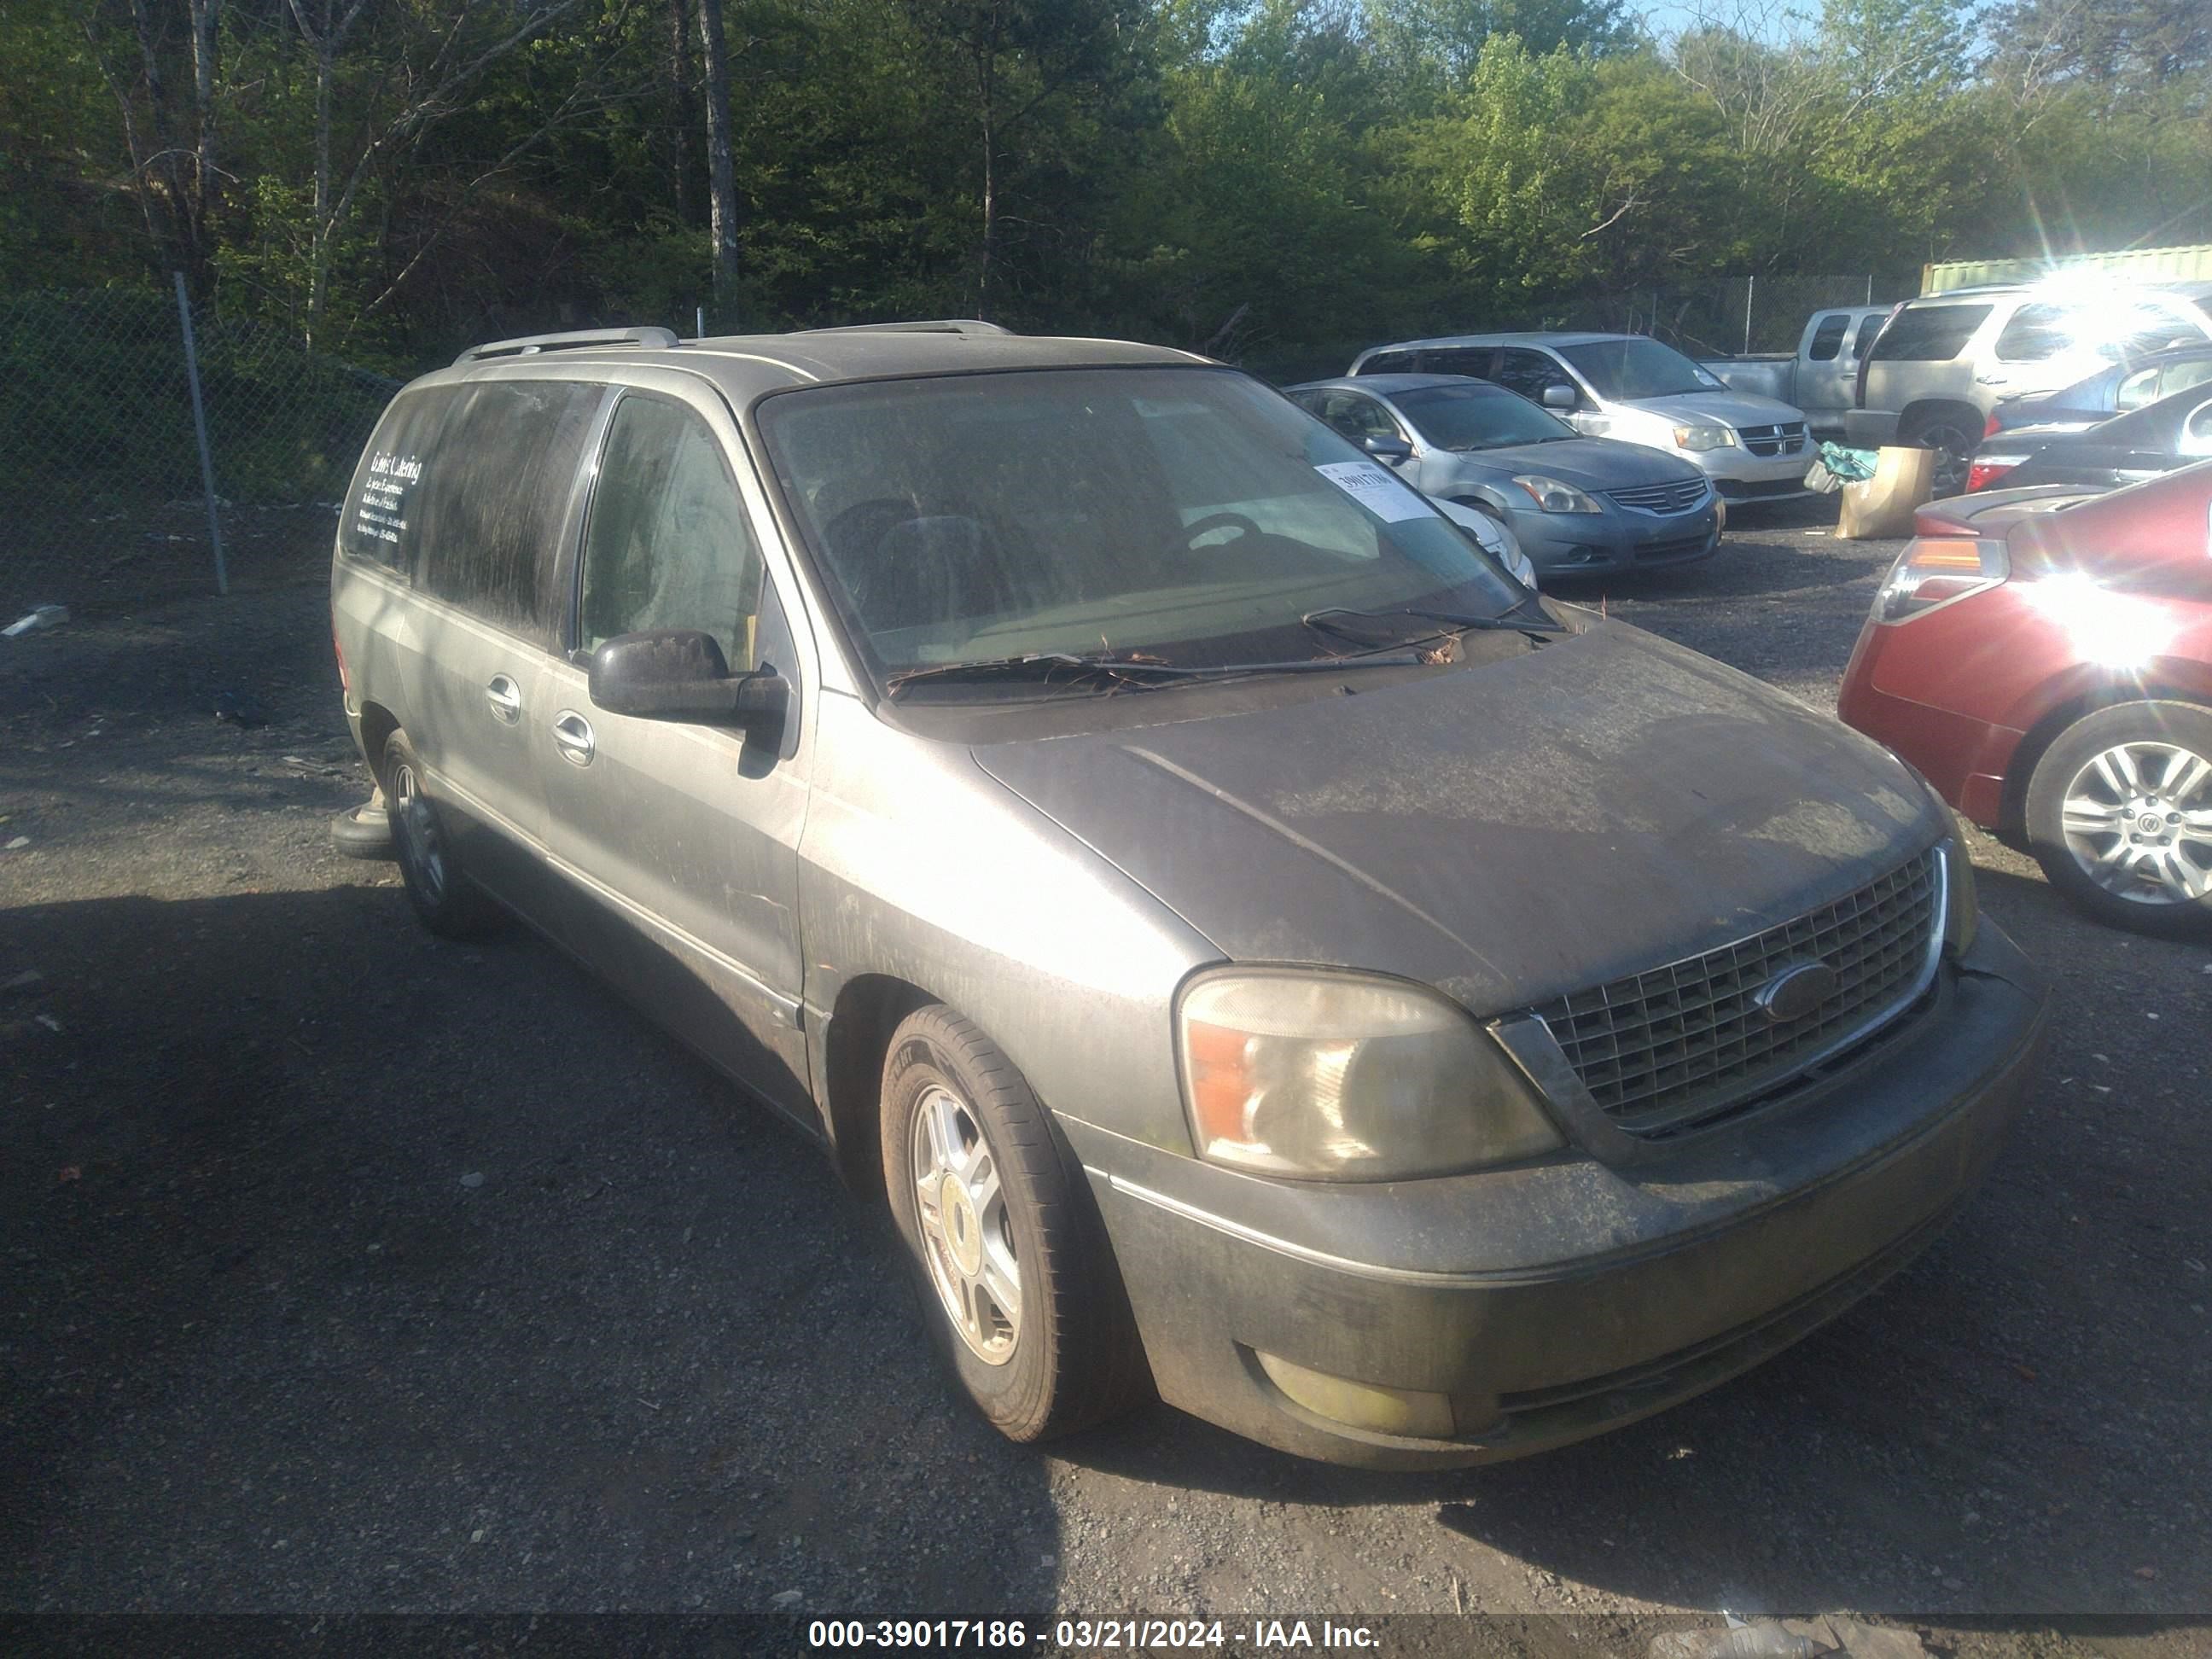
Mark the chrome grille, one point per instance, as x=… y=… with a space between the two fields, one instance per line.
x=1685 y=1043
x=1786 y=439
x=1679 y=496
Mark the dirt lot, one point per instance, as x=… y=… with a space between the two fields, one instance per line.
x=349 y=1269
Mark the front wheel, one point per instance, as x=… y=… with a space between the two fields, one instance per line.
x=1020 y=1287
x=2119 y=815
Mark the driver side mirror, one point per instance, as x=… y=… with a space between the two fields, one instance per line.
x=680 y=674
x=1559 y=395
x=1392 y=451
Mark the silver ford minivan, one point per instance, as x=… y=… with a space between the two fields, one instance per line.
x=1259 y=951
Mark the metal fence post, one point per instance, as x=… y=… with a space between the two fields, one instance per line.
x=1750 y=287
x=199 y=431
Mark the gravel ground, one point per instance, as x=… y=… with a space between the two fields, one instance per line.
x=352 y=1270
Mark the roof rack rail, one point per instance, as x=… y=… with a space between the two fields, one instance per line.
x=529 y=345
x=935 y=325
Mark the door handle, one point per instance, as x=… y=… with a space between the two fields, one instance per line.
x=505 y=697
x=571 y=735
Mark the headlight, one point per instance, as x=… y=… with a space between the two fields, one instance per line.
x=1703 y=437
x=1554 y=496
x=1492 y=536
x=1343 y=1076
x=1963 y=916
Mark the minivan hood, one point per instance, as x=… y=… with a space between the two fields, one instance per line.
x=1725 y=407
x=1509 y=832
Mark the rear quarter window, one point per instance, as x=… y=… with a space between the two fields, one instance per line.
x=1828 y=338
x=377 y=523
x=1388 y=362
x=1928 y=334
x=494 y=494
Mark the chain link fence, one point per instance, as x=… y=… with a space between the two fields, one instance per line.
x=106 y=465
x=1722 y=317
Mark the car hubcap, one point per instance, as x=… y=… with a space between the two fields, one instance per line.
x=967 y=1238
x=418 y=833
x=2138 y=819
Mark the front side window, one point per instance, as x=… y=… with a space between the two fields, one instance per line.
x=1626 y=369
x=1190 y=515
x=667 y=543
x=2179 y=377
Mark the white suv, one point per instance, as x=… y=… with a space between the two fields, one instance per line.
x=1944 y=361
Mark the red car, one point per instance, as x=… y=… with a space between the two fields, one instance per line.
x=2045 y=656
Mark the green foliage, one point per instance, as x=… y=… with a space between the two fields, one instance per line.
x=1277 y=181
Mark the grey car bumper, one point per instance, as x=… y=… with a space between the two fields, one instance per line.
x=1697 y=1265
x=1597 y=544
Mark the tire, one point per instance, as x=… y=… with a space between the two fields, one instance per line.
x=438 y=887
x=1947 y=434
x=1008 y=1218
x=363 y=831
x=2136 y=848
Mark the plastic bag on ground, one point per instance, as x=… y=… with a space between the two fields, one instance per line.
x=1848 y=464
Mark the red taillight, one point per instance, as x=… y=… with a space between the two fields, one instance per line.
x=1991 y=427
x=1986 y=470
x=1935 y=570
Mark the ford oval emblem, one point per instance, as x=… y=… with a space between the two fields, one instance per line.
x=1797 y=991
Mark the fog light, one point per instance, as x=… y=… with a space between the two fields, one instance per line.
x=1361 y=1405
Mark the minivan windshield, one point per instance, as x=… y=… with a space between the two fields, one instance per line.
x=1479 y=418
x=1626 y=369
x=1185 y=516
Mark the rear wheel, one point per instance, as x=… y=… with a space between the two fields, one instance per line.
x=1021 y=1289
x=2119 y=815
x=1953 y=434
x=437 y=887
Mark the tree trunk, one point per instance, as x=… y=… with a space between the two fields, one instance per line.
x=987 y=87
x=680 y=100
x=722 y=190
x=206 y=19
x=318 y=247
x=183 y=254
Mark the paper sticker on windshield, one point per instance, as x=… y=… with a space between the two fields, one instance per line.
x=1375 y=490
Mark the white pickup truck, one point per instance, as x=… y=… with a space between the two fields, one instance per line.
x=1820 y=376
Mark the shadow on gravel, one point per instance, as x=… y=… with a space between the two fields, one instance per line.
x=352 y=1269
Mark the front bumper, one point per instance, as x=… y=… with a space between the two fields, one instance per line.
x=1616 y=540
x=1740 y=475
x=1553 y=1301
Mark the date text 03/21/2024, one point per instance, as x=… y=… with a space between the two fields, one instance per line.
x=1088 y=1635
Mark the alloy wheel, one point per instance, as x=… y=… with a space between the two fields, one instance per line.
x=2137 y=818
x=967 y=1236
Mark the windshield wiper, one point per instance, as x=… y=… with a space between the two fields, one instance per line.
x=1323 y=621
x=1041 y=665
